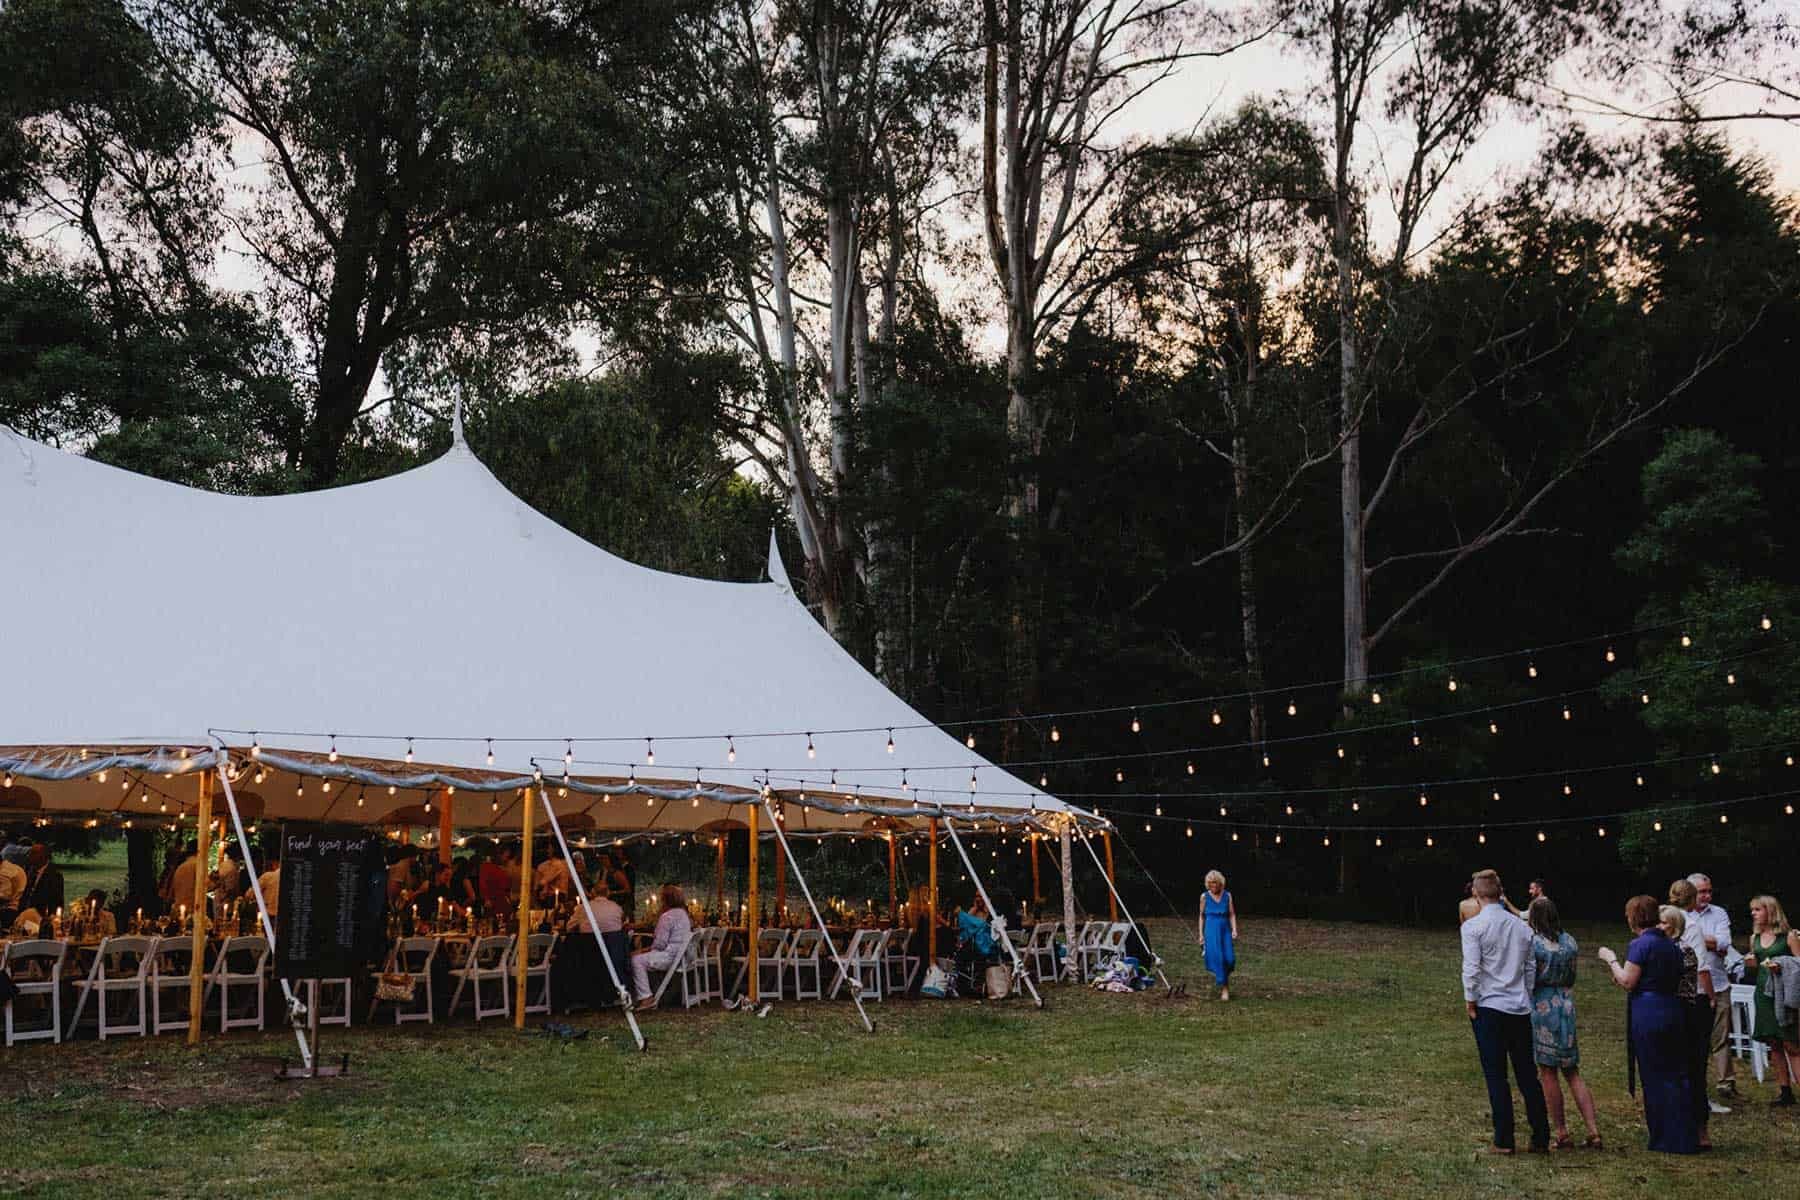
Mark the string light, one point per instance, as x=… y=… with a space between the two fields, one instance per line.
x=1715 y=767
x=1541 y=836
x=1328 y=839
x=1602 y=831
x=1043 y=781
x=490 y=758
x=1415 y=736
x=1482 y=838
x=1234 y=835
x=494 y=804
x=1290 y=810
x=101 y=777
x=390 y=790
x=1567 y=715
x=649 y=752
x=1531 y=669
x=568 y=753
x=333 y=756
x=1378 y=843
x=1190 y=767
x=1568 y=789
x=1292 y=710
x=971 y=781
x=1265 y=758
x=1375 y=697
x=1055 y=734
x=1496 y=793
x=811 y=753
x=1686 y=641
x=1644 y=697
x=1452 y=683
x=1724 y=819
x=730 y=750
x=1356 y=806
x=1766 y=623
x=1278 y=839
x=1221 y=810
x=1190 y=828
x=255 y=747
x=409 y=750
x=1657 y=826
x=427 y=801
x=1137 y=726
x=890 y=744
x=1640 y=781
x=1218 y=717
x=1119 y=775
x=967 y=741
x=1340 y=751
x=1731 y=677
x=1428 y=841
x=1493 y=727
x=1423 y=800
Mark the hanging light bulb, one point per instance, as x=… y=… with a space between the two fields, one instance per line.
x=971 y=781
x=1568 y=789
x=1356 y=806
x=427 y=801
x=1190 y=828
x=1686 y=641
x=409 y=750
x=101 y=777
x=145 y=798
x=1496 y=793
x=332 y=757
x=490 y=754
x=1375 y=697
x=890 y=746
x=326 y=786
x=1190 y=768
x=1218 y=717
x=1043 y=781
x=1766 y=623
x=1119 y=775
x=1146 y=827
x=1567 y=715
x=494 y=804
x=1290 y=810
x=390 y=792
x=649 y=752
x=1278 y=839
x=568 y=753
x=1541 y=836
x=1265 y=760
x=1602 y=831
x=1482 y=838
x=1657 y=826
x=1723 y=819
x=1452 y=683
x=1221 y=810
x=903 y=784
x=1377 y=842
x=1610 y=656
x=1790 y=760
x=730 y=750
x=1291 y=710
x=811 y=753
x=8 y=781
x=1055 y=734
x=1644 y=697
x=1423 y=800
x=1731 y=677
x=1137 y=726
x=255 y=747
x=1234 y=835
x=1640 y=780
x=125 y=784
x=1340 y=751
x=1715 y=767
x=1493 y=727
x=1429 y=842
x=1531 y=669
x=1415 y=737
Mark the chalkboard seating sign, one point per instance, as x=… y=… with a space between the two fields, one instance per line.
x=333 y=911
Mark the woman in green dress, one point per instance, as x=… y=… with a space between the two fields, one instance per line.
x=1553 y=1043
x=1771 y=939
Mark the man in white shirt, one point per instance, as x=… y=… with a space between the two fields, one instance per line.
x=1715 y=932
x=181 y=883
x=270 y=883
x=552 y=877
x=12 y=886
x=1498 y=972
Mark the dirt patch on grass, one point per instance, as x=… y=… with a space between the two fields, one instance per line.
x=167 y=1081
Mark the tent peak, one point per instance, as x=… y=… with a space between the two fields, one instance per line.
x=456 y=425
x=777 y=573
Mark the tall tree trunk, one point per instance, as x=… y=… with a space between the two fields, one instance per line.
x=1350 y=510
x=1247 y=613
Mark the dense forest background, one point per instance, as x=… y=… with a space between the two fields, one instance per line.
x=1225 y=432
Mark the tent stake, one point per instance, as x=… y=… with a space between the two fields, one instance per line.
x=1019 y=971
x=637 y=1035
x=851 y=981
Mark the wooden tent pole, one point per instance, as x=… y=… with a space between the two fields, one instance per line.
x=197 y=967
x=446 y=826
x=1112 y=899
x=1037 y=893
x=719 y=904
x=893 y=895
x=931 y=917
x=780 y=872
x=522 y=955
x=752 y=912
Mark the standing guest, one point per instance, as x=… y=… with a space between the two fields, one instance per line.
x=1498 y=974
x=43 y=883
x=1536 y=890
x=1553 y=1043
x=270 y=883
x=104 y=923
x=1655 y=1027
x=673 y=929
x=12 y=887
x=1770 y=941
x=1715 y=937
x=180 y=883
x=462 y=884
x=1696 y=997
x=15 y=852
x=1218 y=931
x=1468 y=906
x=230 y=874
x=552 y=877
x=499 y=878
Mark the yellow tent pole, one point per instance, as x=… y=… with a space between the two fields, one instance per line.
x=780 y=873
x=753 y=912
x=1037 y=895
x=522 y=955
x=446 y=826
x=893 y=896
x=931 y=917
x=719 y=904
x=1112 y=899
x=197 y=968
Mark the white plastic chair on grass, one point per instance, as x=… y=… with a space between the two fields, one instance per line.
x=314 y=991
x=1040 y=950
x=712 y=962
x=1081 y=943
x=36 y=968
x=239 y=966
x=121 y=969
x=412 y=956
x=771 y=957
x=805 y=956
x=861 y=959
x=539 y=949
x=1743 y=1020
x=1106 y=946
x=489 y=962
x=169 y=983
x=899 y=963
x=686 y=967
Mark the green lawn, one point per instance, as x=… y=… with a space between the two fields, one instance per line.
x=1342 y=1067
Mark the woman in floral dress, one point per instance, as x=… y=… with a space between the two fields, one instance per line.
x=1553 y=1042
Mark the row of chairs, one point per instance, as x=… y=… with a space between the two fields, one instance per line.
x=139 y=984
x=793 y=964
x=487 y=968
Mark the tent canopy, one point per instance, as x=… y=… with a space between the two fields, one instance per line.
x=374 y=644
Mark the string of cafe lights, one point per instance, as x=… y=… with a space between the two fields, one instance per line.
x=1447 y=669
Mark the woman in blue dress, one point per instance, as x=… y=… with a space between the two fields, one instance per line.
x=1553 y=1042
x=1656 y=1027
x=1218 y=931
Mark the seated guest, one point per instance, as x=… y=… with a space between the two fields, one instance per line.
x=12 y=887
x=673 y=929
x=976 y=949
x=434 y=896
x=499 y=881
x=608 y=916
x=43 y=883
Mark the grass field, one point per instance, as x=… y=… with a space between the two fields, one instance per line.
x=1342 y=1067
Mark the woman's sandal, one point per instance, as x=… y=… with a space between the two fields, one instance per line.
x=1593 y=1142
x=1563 y=1142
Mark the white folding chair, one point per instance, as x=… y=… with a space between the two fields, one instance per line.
x=1108 y=944
x=686 y=967
x=411 y=956
x=1040 y=950
x=121 y=968
x=771 y=958
x=712 y=962
x=239 y=966
x=805 y=955
x=36 y=968
x=169 y=983
x=899 y=963
x=861 y=959
x=490 y=962
x=539 y=949
x=315 y=995
x=1743 y=1020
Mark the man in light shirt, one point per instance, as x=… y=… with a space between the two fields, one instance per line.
x=1498 y=972
x=12 y=886
x=552 y=877
x=270 y=883
x=1715 y=933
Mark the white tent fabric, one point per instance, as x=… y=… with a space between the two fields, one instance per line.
x=429 y=611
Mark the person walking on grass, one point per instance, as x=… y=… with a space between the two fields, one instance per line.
x=1553 y=1042
x=1218 y=931
x=1498 y=975
x=1776 y=1025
